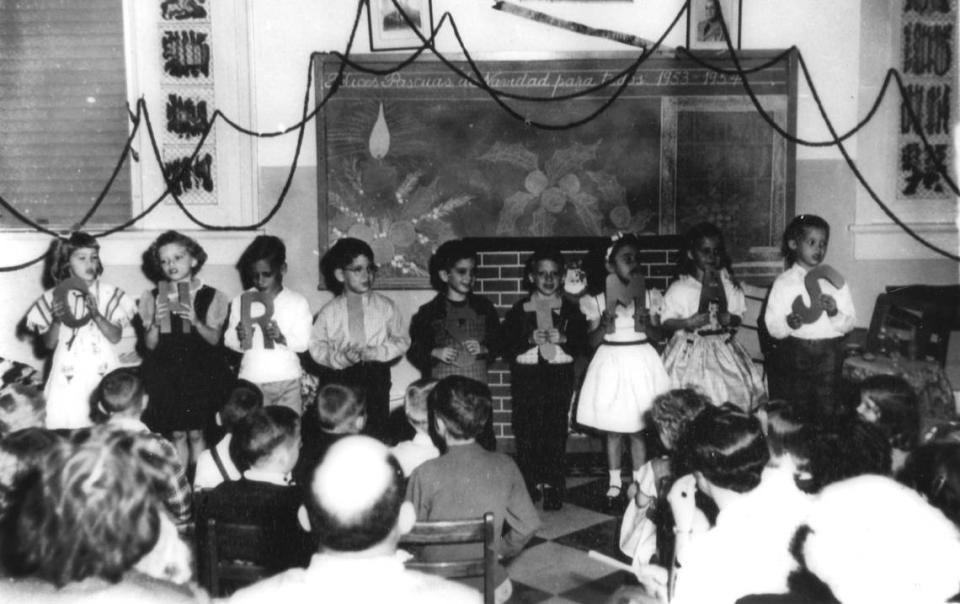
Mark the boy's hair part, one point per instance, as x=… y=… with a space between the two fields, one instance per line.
x=339 y=256
x=151 y=257
x=62 y=248
x=796 y=230
x=338 y=407
x=121 y=390
x=244 y=398
x=446 y=257
x=259 y=434
x=415 y=403
x=463 y=404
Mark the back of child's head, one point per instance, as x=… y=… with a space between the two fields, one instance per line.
x=898 y=406
x=415 y=403
x=539 y=255
x=21 y=406
x=693 y=239
x=340 y=255
x=62 y=248
x=263 y=247
x=933 y=470
x=244 y=398
x=446 y=257
x=338 y=409
x=258 y=435
x=796 y=230
x=673 y=411
x=121 y=391
x=849 y=449
x=727 y=446
x=463 y=404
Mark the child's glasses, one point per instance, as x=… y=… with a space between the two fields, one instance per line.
x=356 y=270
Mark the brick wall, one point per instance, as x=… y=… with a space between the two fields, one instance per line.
x=500 y=279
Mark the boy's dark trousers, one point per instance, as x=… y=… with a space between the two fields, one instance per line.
x=370 y=379
x=541 y=401
x=809 y=372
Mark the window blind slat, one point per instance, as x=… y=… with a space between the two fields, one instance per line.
x=63 y=119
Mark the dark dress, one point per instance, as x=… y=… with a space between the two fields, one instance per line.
x=186 y=377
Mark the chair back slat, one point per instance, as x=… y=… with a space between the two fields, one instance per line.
x=234 y=554
x=446 y=532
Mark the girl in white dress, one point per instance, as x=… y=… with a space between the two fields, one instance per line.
x=625 y=373
x=81 y=327
x=703 y=352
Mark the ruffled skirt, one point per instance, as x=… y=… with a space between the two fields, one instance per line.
x=717 y=365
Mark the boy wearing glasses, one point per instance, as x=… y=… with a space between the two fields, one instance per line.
x=541 y=356
x=458 y=332
x=360 y=332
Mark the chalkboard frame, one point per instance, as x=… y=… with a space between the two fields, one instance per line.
x=678 y=85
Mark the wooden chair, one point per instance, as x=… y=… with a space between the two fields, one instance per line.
x=233 y=556
x=445 y=532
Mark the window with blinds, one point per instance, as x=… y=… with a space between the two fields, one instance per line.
x=63 y=117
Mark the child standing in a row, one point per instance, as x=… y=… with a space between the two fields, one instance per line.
x=542 y=386
x=705 y=306
x=626 y=372
x=276 y=370
x=808 y=361
x=185 y=372
x=359 y=332
x=83 y=352
x=458 y=332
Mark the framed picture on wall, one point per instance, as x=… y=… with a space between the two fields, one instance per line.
x=390 y=28
x=704 y=30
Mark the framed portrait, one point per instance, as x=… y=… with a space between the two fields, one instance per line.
x=389 y=30
x=704 y=30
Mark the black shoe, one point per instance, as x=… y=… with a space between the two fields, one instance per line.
x=613 y=500
x=535 y=494
x=551 y=499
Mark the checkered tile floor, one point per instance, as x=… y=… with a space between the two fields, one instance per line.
x=554 y=568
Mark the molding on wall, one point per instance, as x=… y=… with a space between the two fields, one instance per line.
x=126 y=247
x=890 y=242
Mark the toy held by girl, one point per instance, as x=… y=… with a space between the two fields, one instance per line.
x=81 y=320
x=185 y=372
x=626 y=372
x=359 y=332
x=705 y=307
x=808 y=359
x=542 y=334
x=270 y=352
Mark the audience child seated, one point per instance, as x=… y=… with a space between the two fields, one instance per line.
x=275 y=370
x=215 y=464
x=338 y=411
x=933 y=470
x=873 y=541
x=87 y=523
x=265 y=445
x=671 y=413
x=356 y=510
x=15 y=372
x=467 y=481
x=412 y=453
x=122 y=400
x=22 y=437
x=747 y=549
x=890 y=402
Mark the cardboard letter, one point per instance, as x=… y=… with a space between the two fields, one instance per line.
x=634 y=292
x=810 y=314
x=544 y=309
x=246 y=301
x=62 y=294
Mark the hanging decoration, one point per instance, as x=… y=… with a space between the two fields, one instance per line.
x=929 y=68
